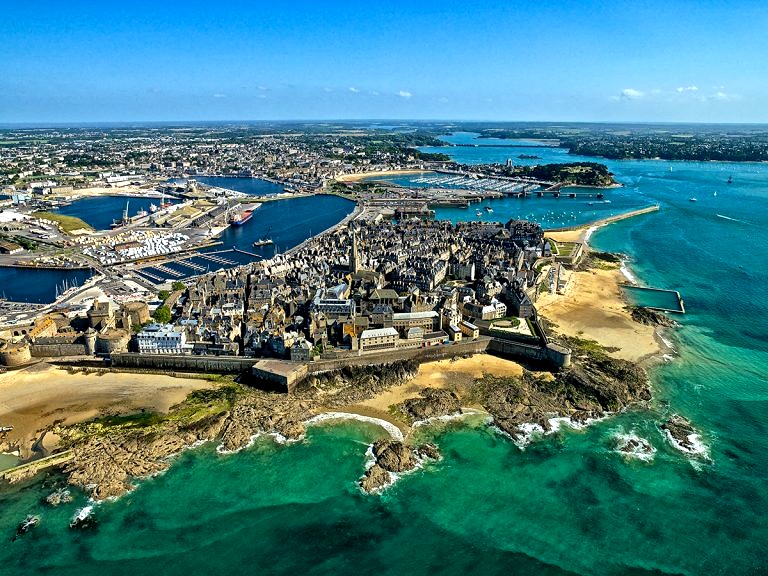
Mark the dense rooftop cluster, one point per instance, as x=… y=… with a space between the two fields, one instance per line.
x=349 y=289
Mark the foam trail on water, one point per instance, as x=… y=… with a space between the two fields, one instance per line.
x=393 y=430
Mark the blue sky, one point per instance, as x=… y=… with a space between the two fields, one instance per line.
x=71 y=61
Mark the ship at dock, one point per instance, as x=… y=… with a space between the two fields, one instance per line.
x=240 y=218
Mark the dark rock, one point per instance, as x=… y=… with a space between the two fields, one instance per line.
x=394 y=456
x=375 y=478
x=680 y=429
x=431 y=403
x=26 y=525
x=651 y=317
x=428 y=450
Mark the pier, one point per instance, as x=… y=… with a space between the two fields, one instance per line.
x=216 y=259
x=168 y=271
x=190 y=265
x=251 y=254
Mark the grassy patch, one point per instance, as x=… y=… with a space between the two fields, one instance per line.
x=197 y=406
x=67 y=223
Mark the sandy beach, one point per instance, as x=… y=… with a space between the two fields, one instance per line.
x=380 y=173
x=593 y=307
x=34 y=399
x=449 y=374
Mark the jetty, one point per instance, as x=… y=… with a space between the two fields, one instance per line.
x=608 y=220
x=29 y=469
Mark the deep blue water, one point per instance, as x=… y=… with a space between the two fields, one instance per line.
x=101 y=211
x=253 y=186
x=39 y=286
x=568 y=504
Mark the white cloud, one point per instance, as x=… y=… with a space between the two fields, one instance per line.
x=687 y=88
x=354 y=90
x=374 y=93
x=443 y=100
x=404 y=94
x=219 y=95
x=631 y=94
x=722 y=96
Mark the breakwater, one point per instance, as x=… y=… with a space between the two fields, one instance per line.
x=609 y=220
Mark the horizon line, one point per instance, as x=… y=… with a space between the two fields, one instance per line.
x=104 y=123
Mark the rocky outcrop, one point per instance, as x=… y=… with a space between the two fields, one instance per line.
x=682 y=435
x=429 y=451
x=394 y=457
x=109 y=453
x=355 y=383
x=431 y=403
x=59 y=496
x=650 y=317
x=593 y=385
x=374 y=479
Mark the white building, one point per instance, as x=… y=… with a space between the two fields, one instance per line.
x=162 y=339
x=378 y=339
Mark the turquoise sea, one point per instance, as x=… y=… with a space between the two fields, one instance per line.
x=567 y=504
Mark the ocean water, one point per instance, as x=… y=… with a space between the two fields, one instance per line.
x=567 y=504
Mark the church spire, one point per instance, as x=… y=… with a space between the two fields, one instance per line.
x=354 y=257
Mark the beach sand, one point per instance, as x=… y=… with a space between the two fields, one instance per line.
x=380 y=173
x=448 y=374
x=32 y=400
x=594 y=308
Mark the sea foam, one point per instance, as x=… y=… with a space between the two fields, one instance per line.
x=393 y=430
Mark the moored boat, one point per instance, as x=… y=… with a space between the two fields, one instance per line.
x=241 y=218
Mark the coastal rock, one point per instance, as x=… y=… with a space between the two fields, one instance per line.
x=431 y=403
x=593 y=385
x=650 y=317
x=375 y=478
x=682 y=435
x=355 y=383
x=428 y=450
x=60 y=496
x=394 y=456
x=632 y=445
x=26 y=525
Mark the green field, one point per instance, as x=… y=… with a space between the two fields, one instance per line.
x=67 y=223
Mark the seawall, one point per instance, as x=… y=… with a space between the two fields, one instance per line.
x=609 y=220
